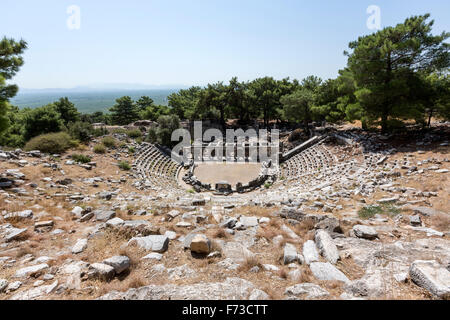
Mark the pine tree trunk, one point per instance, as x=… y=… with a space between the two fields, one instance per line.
x=384 y=122
x=429 y=118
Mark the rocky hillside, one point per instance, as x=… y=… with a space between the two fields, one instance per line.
x=368 y=220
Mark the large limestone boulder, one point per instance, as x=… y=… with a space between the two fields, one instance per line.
x=365 y=232
x=429 y=274
x=290 y=254
x=101 y=271
x=326 y=246
x=155 y=243
x=31 y=271
x=80 y=246
x=326 y=271
x=119 y=263
x=230 y=289
x=200 y=244
x=104 y=215
x=3 y=285
x=310 y=253
x=305 y=291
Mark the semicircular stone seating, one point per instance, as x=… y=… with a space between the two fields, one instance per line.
x=319 y=166
x=157 y=169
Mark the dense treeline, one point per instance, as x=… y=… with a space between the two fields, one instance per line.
x=395 y=75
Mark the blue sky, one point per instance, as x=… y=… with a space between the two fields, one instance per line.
x=193 y=42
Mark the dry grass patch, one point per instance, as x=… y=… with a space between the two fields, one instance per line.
x=217 y=233
x=350 y=268
x=306 y=276
x=272 y=293
x=215 y=246
x=133 y=253
x=304 y=227
x=59 y=260
x=410 y=291
x=282 y=273
x=274 y=223
x=23 y=251
x=440 y=221
x=267 y=232
x=334 y=287
x=249 y=262
x=135 y=280
x=104 y=246
x=45 y=171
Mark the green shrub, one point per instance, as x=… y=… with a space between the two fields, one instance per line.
x=81 y=158
x=122 y=144
x=51 y=143
x=369 y=211
x=134 y=133
x=385 y=208
x=267 y=185
x=119 y=131
x=124 y=165
x=81 y=131
x=131 y=150
x=99 y=148
x=396 y=125
x=109 y=142
x=98 y=132
x=152 y=137
x=390 y=209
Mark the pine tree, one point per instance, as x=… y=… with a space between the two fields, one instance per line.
x=10 y=62
x=124 y=111
x=386 y=66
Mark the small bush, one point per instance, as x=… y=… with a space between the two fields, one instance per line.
x=81 y=158
x=99 y=148
x=151 y=136
x=51 y=143
x=122 y=144
x=134 y=133
x=98 y=132
x=119 y=131
x=131 y=150
x=370 y=211
x=81 y=131
x=109 y=142
x=390 y=209
x=124 y=165
x=396 y=125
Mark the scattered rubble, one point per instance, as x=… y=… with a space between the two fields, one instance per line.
x=348 y=216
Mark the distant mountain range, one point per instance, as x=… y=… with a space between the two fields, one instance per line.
x=93 y=98
x=107 y=86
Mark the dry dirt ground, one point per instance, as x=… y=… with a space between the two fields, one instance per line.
x=231 y=173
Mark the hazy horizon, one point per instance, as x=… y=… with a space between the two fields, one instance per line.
x=88 y=100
